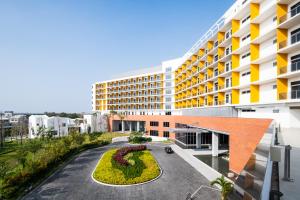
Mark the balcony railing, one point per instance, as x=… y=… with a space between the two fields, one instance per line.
x=282 y=44
x=221 y=102
x=282 y=70
x=221 y=87
x=282 y=96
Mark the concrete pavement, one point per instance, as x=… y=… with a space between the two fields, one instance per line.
x=74 y=180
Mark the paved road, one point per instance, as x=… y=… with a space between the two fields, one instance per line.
x=74 y=180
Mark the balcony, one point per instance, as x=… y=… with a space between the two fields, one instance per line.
x=221 y=87
x=282 y=96
x=290 y=19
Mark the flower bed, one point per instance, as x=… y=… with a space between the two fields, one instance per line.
x=119 y=156
x=140 y=167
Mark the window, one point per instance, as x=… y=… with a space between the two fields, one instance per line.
x=246 y=37
x=244 y=2
x=275 y=41
x=246 y=92
x=153 y=133
x=154 y=123
x=168 y=113
x=295 y=9
x=295 y=63
x=168 y=107
x=248 y=110
x=168 y=76
x=63 y=124
x=295 y=90
x=228 y=66
x=246 y=55
x=246 y=73
x=275 y=64
x=274 y=87
x=168 y=69
x=168 y=99
x=295 y=36
x=168 y=91
x=245 y=19
x=168 y=84
x=166 y=124
x=274 y=18
x=228 y=34
x=166 y=134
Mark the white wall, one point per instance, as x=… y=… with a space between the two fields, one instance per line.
x=267 y=47
x=244 y=98
x=244 y=79
x=286 y=117
x=267 y=25
x=267 y=70
x=267 y=94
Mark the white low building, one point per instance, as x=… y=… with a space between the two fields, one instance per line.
x=57 y=125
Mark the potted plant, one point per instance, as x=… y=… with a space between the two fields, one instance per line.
x=226 y=186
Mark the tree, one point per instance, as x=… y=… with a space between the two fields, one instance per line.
x=2 y=130
x=22 y=128
x=226 y=186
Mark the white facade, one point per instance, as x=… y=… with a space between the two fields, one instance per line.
x=59 y=125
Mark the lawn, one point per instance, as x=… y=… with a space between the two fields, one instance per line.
x=142 y=168
x=23 y=166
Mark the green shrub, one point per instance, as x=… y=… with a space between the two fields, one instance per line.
x=138 y=140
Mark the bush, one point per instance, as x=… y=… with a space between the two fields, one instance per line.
x=109 y=172
x=138 y=140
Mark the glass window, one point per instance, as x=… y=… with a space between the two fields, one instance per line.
x=166 y=134
x=154 y=123
x=153 y=133
x=166 y=124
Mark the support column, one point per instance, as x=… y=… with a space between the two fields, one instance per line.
x=130 y=126
x=198 y=140
x=123 y=126
x=138 y=126
x=215 y=144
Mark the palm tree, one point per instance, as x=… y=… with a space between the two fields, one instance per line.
x=226 y=186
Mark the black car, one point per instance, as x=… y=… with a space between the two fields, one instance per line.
x=169 y=150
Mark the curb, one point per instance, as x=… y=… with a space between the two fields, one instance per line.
x=128 y=185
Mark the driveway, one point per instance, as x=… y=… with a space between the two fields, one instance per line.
x=74 y=180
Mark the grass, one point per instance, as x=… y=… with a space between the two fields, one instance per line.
x=41 y=159
x=143 y=167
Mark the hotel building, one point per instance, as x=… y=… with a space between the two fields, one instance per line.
x=237 y=85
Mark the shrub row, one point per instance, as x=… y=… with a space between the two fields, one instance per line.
x=119 y=156
x=139 y=140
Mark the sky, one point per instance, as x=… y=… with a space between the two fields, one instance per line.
x=52 y=51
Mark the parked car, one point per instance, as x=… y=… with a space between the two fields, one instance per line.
x=169 y=150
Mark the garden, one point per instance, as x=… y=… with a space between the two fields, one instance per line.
x=24 y=165
x=127 y=166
